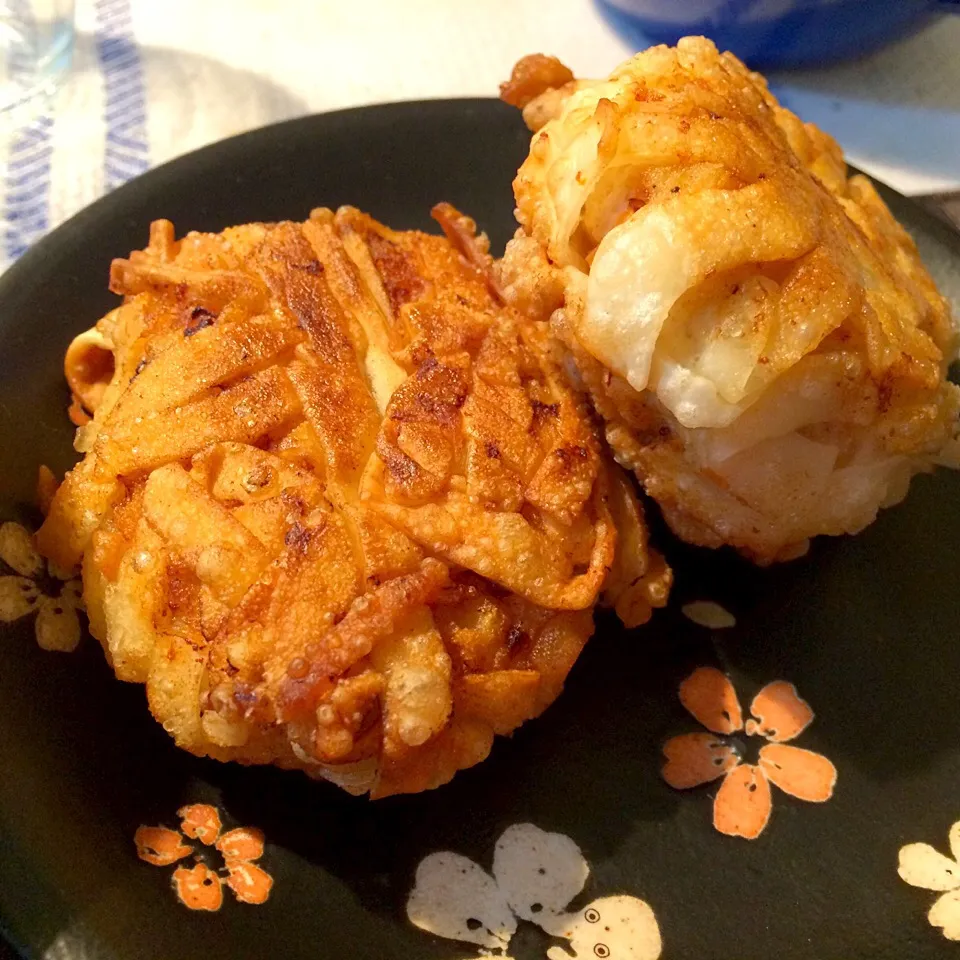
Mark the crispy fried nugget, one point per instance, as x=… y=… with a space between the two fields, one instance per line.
x=759 y=335
x=338 y=509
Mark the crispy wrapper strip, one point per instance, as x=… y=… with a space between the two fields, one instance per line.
x=639 y=580
x=329 y=379
x=244 y=412
x=47 y=485
x=191 y=368
x=507 y=549
x=370 y=619
x=461 y=231
x=532 y=76
x=88 y=367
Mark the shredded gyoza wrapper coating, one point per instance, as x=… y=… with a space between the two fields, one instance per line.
x=339 y=509
x=758 y=333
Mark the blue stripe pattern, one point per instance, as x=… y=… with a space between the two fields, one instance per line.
x=27 y=177
x=126 y=151
x=26 y=202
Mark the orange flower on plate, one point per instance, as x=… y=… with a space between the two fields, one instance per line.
x=743 y=804
x=200 y=887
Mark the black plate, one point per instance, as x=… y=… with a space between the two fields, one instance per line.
x=866 y=628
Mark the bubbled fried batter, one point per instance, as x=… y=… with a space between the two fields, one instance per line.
x=339 y=509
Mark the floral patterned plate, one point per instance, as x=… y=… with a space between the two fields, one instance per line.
x=769 y=769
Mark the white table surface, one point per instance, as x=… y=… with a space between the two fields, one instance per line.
x=896 y=112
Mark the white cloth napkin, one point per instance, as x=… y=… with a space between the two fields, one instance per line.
x=154 y=80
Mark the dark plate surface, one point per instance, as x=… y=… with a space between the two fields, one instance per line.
x=866 y=628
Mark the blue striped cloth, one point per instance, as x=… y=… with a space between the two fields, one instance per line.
x=47 y=177
x=125 y=101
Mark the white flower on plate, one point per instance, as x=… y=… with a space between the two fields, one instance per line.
x=22 y=593
x=535 y=876
x=706 y=613
x=923 y=866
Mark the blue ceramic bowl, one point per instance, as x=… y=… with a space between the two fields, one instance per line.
x=775 y=33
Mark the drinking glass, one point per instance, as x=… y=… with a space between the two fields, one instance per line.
x=36 y=46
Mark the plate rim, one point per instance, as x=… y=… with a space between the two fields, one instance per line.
x=21 y=269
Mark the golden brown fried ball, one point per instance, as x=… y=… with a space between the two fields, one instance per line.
x=338 y=508
x=757 y=332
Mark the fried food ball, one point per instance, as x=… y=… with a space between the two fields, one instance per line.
x=339 y=509
x=766 y=350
